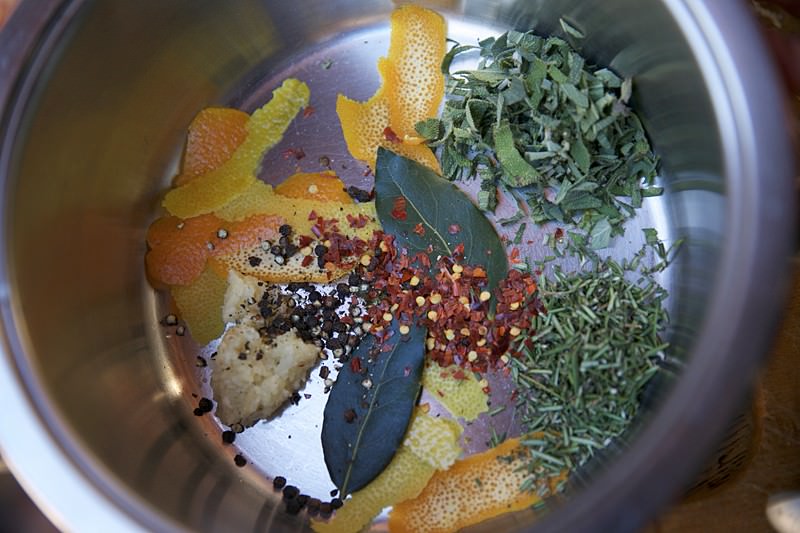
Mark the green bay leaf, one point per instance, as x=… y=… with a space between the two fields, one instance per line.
x=438 y=207
x=365 y=421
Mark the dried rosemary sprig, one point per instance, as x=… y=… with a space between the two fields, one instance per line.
x=534 y=115
x=585 y=363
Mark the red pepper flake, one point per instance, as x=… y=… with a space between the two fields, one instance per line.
x=459 y=374
x=297 y=153
x=453 y=229
x=390 y=135
x=355 y=364
x=304 y=240
x=357 y=222
x=307 y=260
x=313 y=215
x=559 y=234
x=440 y=393
x=514 y=256
x=419 y=229
x=399 y=208
x=308 y=111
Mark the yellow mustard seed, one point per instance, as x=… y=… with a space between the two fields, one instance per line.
x=420 y=301
x=436 y=298
x=433 y=316
x=485 y=296
x=404 y=329
x=472 y=356
x=387 y=317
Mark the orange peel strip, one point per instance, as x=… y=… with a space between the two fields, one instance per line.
x=265 y=127
x=320 y=186
x=474 y=489
x=214 y=135
x=414 y=80
x=259 y=198
x=180 y=249
x=411 y=90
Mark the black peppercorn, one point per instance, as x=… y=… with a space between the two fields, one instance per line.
x=205 y=405
x=228 y=437
x=239 y=460
x=279 y=482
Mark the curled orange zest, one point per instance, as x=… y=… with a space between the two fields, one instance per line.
x=322 y=186
x=214 y=134
x=412 y=89
x=474 y=489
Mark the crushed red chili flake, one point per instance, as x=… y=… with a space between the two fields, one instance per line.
x=514 y=256
x=357 y=222
x=355 y=364
x=559 y=234
x=308 y=111
x=307 y=260
x=399 y=208
x=390 y=135
x=419 y=229
x=312 y=215
x=460 y=329
x=453 y=229
x=296 y=153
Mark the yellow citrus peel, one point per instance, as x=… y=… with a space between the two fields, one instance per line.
x=434 y=439
x=405 y=476
x=259 y=198
x=411 y=90
x=265 y=127
x=474 y=489
x=200 y=305
x=463 y=398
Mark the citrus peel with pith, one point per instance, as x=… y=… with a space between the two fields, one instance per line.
x=265 y=127
x=411 y=90
x=474 y=489
x=404 y=478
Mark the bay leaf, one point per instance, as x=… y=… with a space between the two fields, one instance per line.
x=435 y=204
x=365 y=421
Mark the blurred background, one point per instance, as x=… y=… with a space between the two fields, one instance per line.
x=760 y=457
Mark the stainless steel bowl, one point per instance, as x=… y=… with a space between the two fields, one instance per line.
x=94 y=101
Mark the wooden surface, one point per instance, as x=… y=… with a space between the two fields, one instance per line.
x=739 y=505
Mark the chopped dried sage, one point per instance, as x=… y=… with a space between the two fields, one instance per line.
x=533 y=114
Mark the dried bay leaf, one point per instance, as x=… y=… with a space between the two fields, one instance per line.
x=436 y=204
x=365 y=421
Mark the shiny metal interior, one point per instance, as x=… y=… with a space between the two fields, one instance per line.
x=92 y=131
